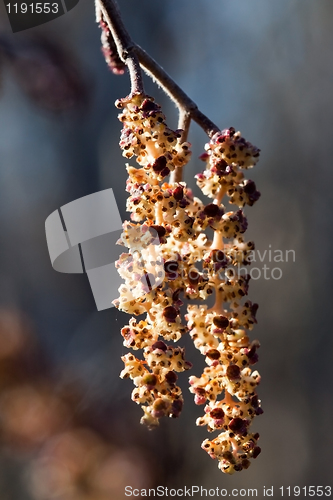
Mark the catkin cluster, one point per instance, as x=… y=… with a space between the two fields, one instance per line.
x=169 y=259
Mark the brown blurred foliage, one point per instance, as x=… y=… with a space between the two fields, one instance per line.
x=65 y=454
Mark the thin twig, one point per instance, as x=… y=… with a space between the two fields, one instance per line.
x=134 y=57
x=124 y=43
x=184 y=123
x=170 y=87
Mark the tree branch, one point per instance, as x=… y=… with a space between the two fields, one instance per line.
x=170 y=87
x=134 y=57
x=123 y=41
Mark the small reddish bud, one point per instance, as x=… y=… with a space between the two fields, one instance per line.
x=221 y=322
x=199 y=400
x=213 y=354
x=170 y=313
x=178 y=193
x=238 y=425
x=211 y=210
x=233 y=372
x=159 y=345
x=200 y=396
x=171 y=377
x=252 y=355
x=193 y=276
x=217 y=413
x=249 y=187
x=221 y=166
x=204 y=156
x=218 y=256
x=165 y=172
x=149 y=105
x=176 y=408
x=159 y=164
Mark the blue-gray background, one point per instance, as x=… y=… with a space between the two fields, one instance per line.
x=263 y=67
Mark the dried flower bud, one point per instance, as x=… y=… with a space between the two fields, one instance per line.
x=193 y=276
x=233 y=372
x=159 y=164
x=170 y=313
x=213 y=354
x=178 y=193
x=221 y=322
x=211 y=210
x=218 y=256
x=238 y=426
x=217 y=413
x=159 y=345
x=150 y=380
x=171 y=377
x=176 y=408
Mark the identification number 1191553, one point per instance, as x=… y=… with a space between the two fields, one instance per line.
x=307 y=491
x=33 y=8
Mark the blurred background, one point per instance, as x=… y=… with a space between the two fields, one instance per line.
x=68 y=429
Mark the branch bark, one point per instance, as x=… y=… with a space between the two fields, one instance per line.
x=123 y=41
x=176 y=93
x=135 y=57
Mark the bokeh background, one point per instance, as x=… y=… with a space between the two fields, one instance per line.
x=68 y=429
